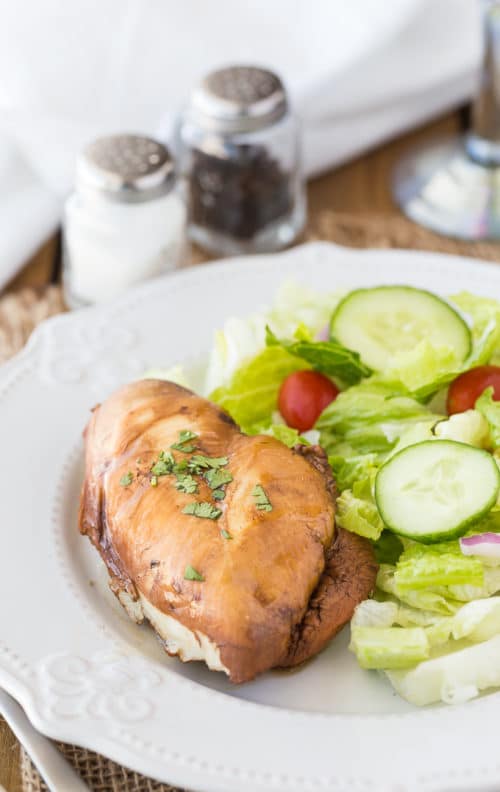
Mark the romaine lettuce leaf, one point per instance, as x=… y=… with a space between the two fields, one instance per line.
x=251 y=396
x=439 y=633
x=371 y=613
x=414 y=617
x=368 y=418
x=466 y=593
x=388 y=548
x=490 y=410
x=484 y=317
x=389 y=647
x=434 y=601
x=443 y=564
x=348 y=470
x=484 y=320
x=452 y=677
x=290 y=437
x=423 y=364
x=478 y=620
x=328 y=357
x=297 y=304
x=416 y=433
x=358 y=515
x=243 y=338
x=239 y=341
x=469 y=427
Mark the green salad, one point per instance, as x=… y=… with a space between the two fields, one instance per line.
x=399 y=387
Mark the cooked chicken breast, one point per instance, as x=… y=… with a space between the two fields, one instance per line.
x=254 y=579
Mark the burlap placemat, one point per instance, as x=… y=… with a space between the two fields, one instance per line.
x=22 y=311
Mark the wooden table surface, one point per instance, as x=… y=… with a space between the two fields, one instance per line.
x=361 y=186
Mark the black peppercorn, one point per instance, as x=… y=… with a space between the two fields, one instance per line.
x=238 y=196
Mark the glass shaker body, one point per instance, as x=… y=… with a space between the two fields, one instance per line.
x=114 y=239
x=244 y=187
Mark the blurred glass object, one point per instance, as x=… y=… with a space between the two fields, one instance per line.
x=452 y=186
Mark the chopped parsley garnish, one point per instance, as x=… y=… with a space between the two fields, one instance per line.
x=186 y=483
x=225 y=534
x=127 y=479
x=218 y=494
x=154 y=481
x=202 y=509
x=199 y=462
x=261 y=500
x=180 y=467
x=164 y=464
x=183 y=444
x=190 y=573
x=217 y=477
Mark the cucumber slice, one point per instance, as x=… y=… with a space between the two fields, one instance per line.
x=382 y=322
x=434 y=490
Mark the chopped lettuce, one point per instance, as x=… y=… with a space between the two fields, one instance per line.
x=478 y=620
x=469 y=427
x=490 y=411
x=416 y=433
x=484 y=321
x=443 y=564
x=468 y=592
x=296 y=304
x=243 y=338
x=439 y=633
x=371 y=613
x=328 y=357
x=251 y=397
x=368 y=418
x=379 y=643
x=423 y=364
x=420 y=599
x=453 y=677
x=484 y=318
x=290 y=437
x=414 y=617
x=348 y=470
x=236 y=344
x=388 y=548
x=389 y=647
x=358 y=515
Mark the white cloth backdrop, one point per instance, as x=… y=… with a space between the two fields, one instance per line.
x=358 y=72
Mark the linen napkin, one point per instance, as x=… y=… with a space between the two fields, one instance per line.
x=357 y=73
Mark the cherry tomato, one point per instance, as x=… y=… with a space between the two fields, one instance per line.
x=303 y=396
x=468 y=387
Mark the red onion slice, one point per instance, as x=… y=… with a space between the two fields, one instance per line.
x=323 y=334
x=485 y=544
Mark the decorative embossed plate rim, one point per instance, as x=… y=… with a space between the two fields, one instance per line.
x=77 y=678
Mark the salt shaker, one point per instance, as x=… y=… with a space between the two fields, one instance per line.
x=239 y=148
x=125 y=221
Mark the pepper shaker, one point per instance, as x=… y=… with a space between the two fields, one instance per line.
x=239 y=148
x=125 y=221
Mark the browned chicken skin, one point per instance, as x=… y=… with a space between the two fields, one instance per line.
x=275 y=592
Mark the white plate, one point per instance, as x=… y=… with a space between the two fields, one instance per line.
x=87 y=675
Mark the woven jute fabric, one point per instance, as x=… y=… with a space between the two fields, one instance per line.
x=22 y=311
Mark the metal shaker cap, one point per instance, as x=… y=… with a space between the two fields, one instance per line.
x=126 y=168
x=238 y=99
